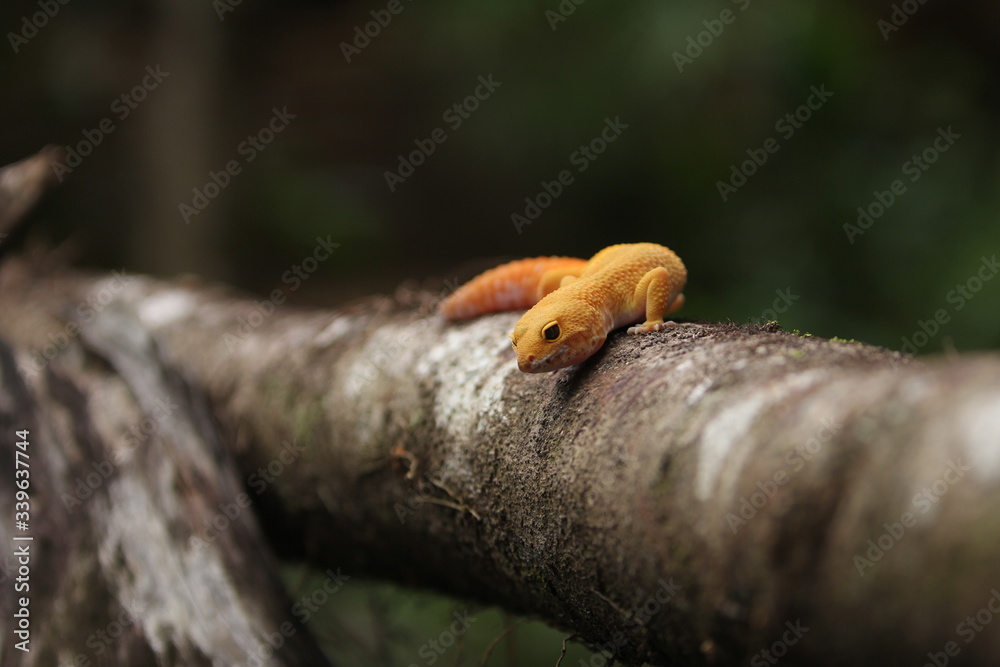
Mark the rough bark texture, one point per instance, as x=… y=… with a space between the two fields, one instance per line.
x=693 y=496
x=126 y=473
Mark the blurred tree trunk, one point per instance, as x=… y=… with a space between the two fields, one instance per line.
x=181 y=142
x=125 y=524
x=141 y=551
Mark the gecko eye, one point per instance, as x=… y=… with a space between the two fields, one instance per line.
x=513 y=343
x=551 y=331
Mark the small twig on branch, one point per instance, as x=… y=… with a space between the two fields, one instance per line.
x=458 y=504
x=562 y=654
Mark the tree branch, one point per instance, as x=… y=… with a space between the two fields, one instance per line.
x=21 y=187
x=141 y=547
x=697 y=495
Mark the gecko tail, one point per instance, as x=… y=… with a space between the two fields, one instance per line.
x=516 y=285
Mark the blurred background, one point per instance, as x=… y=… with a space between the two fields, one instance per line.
x=830 y=165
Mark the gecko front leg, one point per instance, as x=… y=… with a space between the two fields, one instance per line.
x=655 y=290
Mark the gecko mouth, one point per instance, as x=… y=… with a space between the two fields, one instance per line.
x=561 y=358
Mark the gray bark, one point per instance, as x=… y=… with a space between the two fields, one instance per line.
x=693 y=496
x=128 y=478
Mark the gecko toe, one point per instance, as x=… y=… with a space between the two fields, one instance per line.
x=649 y=327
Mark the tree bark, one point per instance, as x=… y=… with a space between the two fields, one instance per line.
x=127 y=475
x=701 y=495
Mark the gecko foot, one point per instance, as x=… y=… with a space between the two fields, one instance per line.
x=648 y=327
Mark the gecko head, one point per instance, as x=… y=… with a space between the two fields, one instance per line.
x=553 y=335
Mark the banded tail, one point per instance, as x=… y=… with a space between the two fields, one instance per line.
x=516 y=285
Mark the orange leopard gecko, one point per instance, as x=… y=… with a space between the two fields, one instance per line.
x=574 y=304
